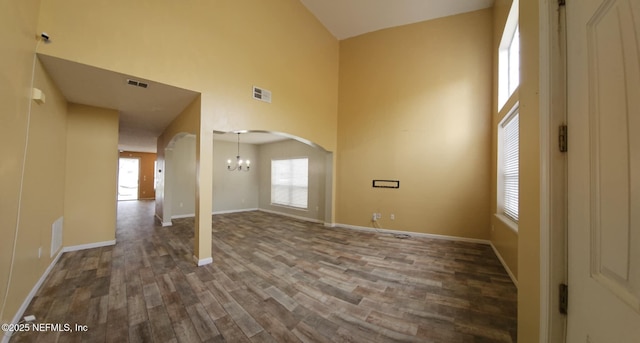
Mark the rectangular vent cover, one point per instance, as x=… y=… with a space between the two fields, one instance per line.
x=137 y=83
x=261 y=94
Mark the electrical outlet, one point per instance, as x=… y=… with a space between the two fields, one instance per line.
x=393 y=216
x=39 y=252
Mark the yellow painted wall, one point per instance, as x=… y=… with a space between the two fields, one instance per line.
x=529 y=215
x=91 y=175
x=41 y=201
x=219 y=48
x=43 y=190
x=415 y=106
x=521 y=250
x=412 y=137
x=316 y=186
x=17 y=29
x=503 y=237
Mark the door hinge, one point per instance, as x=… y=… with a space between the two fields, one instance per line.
x=562 y=138
x=563 y=302
x=562 y=2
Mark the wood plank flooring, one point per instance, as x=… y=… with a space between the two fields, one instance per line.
x=274 y=279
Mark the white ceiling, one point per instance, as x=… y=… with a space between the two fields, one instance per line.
x=145 y=113
x=349 y=18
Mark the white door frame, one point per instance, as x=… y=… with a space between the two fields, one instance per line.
x=135 y=158
x=553 y=185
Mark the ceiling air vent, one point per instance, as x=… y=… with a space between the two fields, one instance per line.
x=261 y=94
x=137 y=83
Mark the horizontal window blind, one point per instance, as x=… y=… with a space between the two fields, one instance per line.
x=290 y=182
x=510 y=166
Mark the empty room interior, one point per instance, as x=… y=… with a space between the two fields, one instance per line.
x=302 y=171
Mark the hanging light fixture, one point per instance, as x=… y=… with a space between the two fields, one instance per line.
x=240 y=164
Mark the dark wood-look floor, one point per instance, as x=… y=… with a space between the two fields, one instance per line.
x=274 y=279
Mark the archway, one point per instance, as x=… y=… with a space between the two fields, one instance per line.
x=238 y=190
x=176 y=165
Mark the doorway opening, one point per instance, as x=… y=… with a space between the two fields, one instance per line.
x=128 y=178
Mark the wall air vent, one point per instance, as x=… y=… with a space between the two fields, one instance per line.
x=137 y=83
x=261 y=94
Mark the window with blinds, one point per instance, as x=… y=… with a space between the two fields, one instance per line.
x=510 y=166
x=290 y=182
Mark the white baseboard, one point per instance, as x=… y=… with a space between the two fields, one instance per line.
x=29 y=298
x=192 y=215
x=292 y=216
x=234 y=211
x=202 y=262
x=504 y=264
x=428 y=235
x=162 y=222
x=89 y=246
x=417 y=234
x=36 y=287
x=179 y=216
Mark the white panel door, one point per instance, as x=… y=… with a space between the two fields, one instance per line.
x=604 y=170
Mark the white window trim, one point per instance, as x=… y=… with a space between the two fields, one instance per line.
x=510 y=28
x=500 y=180
x=508 y=222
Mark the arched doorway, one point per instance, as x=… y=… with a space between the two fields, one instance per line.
x=241 y=190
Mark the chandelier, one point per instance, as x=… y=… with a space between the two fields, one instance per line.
x=240 y=165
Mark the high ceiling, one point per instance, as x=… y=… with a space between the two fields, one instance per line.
x=146 y=112
x=349 y=18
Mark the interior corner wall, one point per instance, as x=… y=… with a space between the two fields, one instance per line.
x=529 y=205
x=317 y=177
x=18 y=20
x=146 y=178
x=502 y=236
x=91 y=175
x=214 y=44
x=41 y=201
x=211 y=47
x=44 y=178
x=415 y=106
x=235 y=190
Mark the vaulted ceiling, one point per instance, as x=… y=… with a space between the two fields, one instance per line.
x=349 y=18
x=145 y=113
